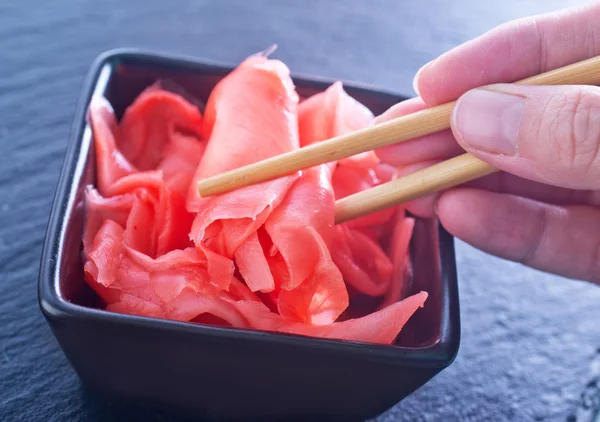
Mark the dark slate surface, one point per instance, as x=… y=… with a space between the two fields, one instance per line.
x=531 y=342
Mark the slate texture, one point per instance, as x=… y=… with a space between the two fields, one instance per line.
x=531 y=342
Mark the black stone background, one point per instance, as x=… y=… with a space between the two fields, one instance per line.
x=531 y=342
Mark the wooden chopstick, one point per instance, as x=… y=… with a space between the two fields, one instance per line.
x=441 y=176
x=444 y=175
x=407 y=127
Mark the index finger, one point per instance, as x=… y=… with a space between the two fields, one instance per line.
x=511 y=52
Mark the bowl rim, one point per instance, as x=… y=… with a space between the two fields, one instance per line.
x=54 y=308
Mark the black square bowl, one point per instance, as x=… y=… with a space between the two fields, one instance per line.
x=220 y=373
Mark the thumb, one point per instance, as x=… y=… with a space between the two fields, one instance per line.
x=550 y=134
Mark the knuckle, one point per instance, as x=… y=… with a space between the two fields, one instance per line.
x=572 y=123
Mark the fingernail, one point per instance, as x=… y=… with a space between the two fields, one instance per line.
x=489 y=120
x=435 y=206
x=416 y=82
x=417 y=75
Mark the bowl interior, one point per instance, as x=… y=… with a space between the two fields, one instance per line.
x=124 y=77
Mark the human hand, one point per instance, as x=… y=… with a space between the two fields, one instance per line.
x=543 y=209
